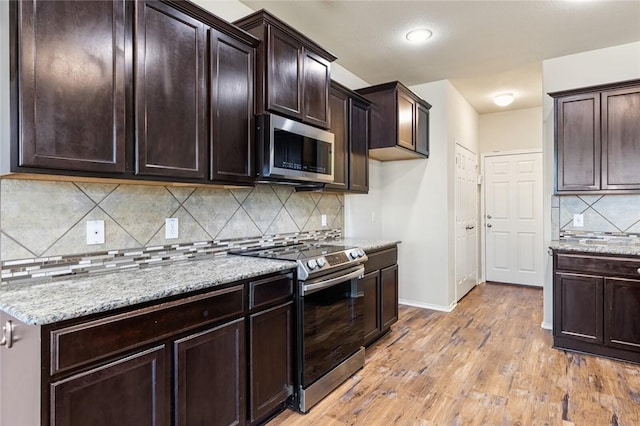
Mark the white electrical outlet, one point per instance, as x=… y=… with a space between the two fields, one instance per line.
x=95 y=232
x=373 y=217
x=578 y=220
x=171 y=228
x=323 y=220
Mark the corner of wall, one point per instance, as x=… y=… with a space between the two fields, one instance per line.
x=5 y=125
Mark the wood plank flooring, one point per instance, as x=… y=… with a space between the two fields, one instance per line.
x=487 y=363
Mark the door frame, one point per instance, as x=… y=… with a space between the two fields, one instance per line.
x=482 y=223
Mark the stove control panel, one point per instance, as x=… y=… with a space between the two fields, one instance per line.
x=328 y=261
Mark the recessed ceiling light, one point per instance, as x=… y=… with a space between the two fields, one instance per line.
x=503 y=99
x=420 y=34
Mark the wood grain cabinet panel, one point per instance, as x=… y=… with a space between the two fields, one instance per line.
x=350 y=126
x=579 y=300
x=232 y=106
x=622 y=322
x=170 y=93
x=399 y=122
x=380 y=287
x=271 y=360
x=293 y=73
x=621 y=138
x=597 y=134
x=210 y=377
x=596 y=298
x=131 y=391
x=72 y=85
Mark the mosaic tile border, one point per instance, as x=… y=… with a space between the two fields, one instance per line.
x=13 y=271
x=593 y=237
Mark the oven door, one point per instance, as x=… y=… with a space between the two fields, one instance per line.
x=332 y=322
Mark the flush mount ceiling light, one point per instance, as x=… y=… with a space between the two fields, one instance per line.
x=503 y=99
x=418 y=35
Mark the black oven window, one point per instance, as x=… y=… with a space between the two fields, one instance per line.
x=296 y=152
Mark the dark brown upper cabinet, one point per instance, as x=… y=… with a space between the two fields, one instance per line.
x=597 y=138
x=293 y=72
x=171 y=95
x=350 y=125
x=232 y=123
x=154 y=90
x=399 y=122
x=71 y=103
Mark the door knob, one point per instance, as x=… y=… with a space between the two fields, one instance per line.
x=488 y=225
x=488 y=216
x=7 y=335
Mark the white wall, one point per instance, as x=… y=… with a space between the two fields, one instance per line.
x=4 y=87
x=595 y=67
x=510 y=130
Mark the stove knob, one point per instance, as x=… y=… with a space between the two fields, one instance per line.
x=312 y=264
x=353 y=254
x=321 y=262
x=360 y=252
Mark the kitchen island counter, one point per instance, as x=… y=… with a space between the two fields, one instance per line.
x=46 y=302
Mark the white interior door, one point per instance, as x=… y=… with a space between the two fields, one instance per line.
x=513 y=218
x=466 y=221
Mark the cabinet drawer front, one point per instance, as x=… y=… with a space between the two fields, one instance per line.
x=270 y=290
x=602 y=265
x=87 y=342
x=381 y=259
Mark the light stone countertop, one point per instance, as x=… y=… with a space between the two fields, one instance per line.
x=597 y=246
x=366 y=245
x=57 y=300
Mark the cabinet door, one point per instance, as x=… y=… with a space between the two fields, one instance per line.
x=170 y=93
x=359 y=147
x=209 y=370
x=72 y=76
x=370 y=285
x=315 y=89
x=622 y=322
x=270 y=364
x=232 y=126
x=339 y=126
x=578 y=306
x=422 y=129
x=389 y=296
x=578 y=142
x=621 y=139
x=406 y=117
x=284 y=74
x=126 y=392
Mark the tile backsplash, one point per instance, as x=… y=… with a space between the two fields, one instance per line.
x=43 y=218
x=616 y=214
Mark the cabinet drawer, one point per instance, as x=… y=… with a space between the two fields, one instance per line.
x=269 y=290
x=381 y=259
x=601 y=265
x=87 y=342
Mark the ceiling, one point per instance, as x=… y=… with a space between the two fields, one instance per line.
x=482 y=47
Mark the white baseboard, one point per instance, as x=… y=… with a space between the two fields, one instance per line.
x=546 y=325
x=431 y=306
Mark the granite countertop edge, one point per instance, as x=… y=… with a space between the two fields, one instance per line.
x=46 y=302
x=599 y=247
x=365 y=244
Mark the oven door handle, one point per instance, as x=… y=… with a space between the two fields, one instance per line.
x=314 y=286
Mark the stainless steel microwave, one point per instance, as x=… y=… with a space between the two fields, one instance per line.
x=292 y=151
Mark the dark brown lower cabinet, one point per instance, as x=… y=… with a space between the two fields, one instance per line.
x=579 y=299
x=270 y=371
x=596 y=298
x=389 y=295
x=218 y=358
x=380 y=287
x=130 y=391
x=622 y=322
x=210 y=376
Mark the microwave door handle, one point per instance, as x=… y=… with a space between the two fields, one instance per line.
x=320 y=285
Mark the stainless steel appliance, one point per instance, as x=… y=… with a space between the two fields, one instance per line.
x=293 y=151
x=329 y=309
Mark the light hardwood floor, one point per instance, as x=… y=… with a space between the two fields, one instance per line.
x=487 y=363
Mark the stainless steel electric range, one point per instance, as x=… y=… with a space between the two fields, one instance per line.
x=329 y=309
